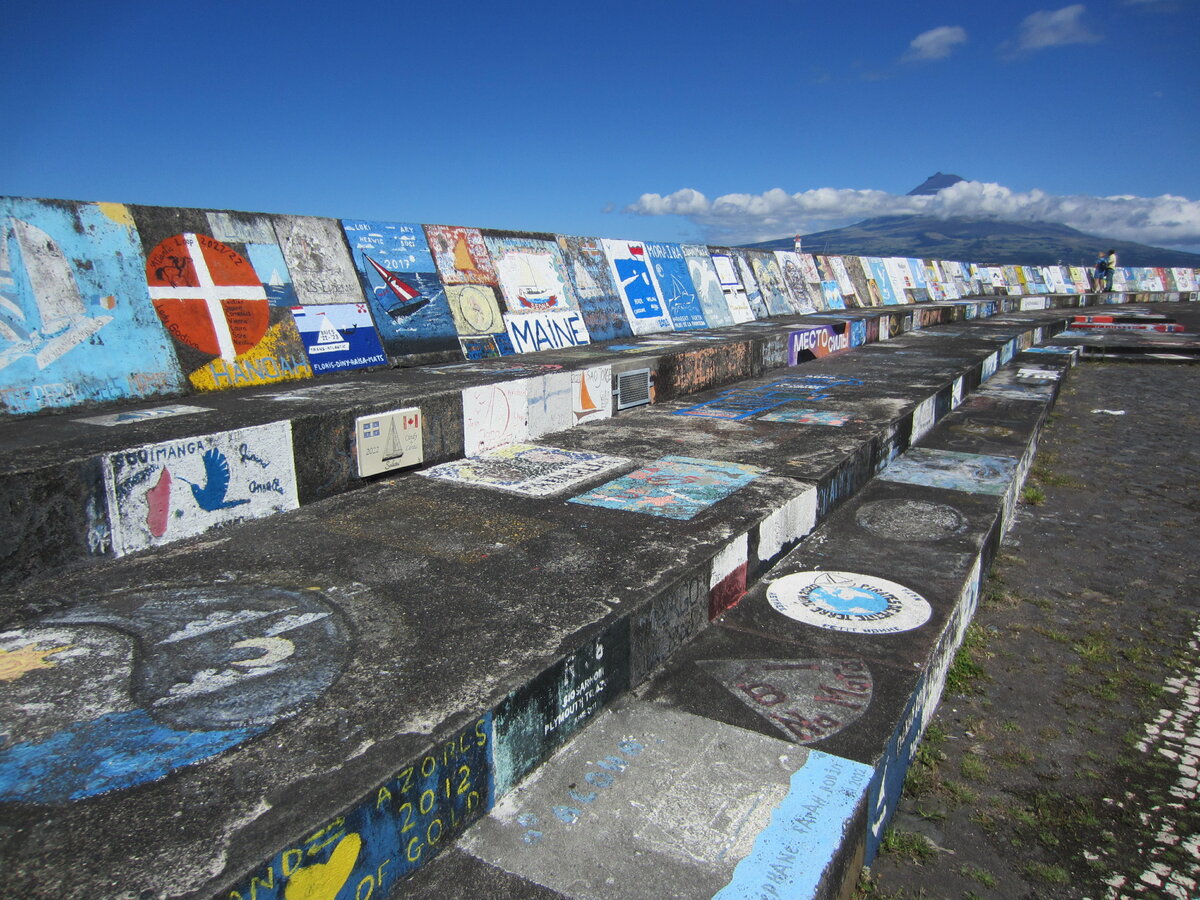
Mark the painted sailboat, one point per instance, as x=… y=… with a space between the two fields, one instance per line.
x=586 y=403
x=60 y=321
x=532 y=295
x=393 y=449
x=410 y=298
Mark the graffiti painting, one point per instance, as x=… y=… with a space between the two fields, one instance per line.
x=845 y=601
x=406 y=296
x=159 y=493
x=674 y=487
x=529 y=469
x=793 y=280
x=339 y=336
x=804 y=700
x=213 y=301
x=971 y=472
x=770 y=280
x=599 y=300
x=708 y=287
x=670 y=270
x=76 y=325
x=460 y=254
x=122 y=691
x=630 y=270
x=495 y=415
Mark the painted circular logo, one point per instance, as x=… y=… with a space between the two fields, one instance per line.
x=911 y=520
x=845 y=601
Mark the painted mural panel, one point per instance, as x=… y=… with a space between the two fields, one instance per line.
x=793 y=279
x=883 y=281
x=860 y=275
x=630 y=269
x=708 y=286
x=316 y=255
x=339 y=336
x=587 y=267
x=163 y=492
x=76 y=325
x=736 y=295
x=213 y=301
x=407 y=299
x=477 y=316
x=821 y=340
x=972 y=472
x=675 y=285
x=591 y=395
x=495 y=415
x=461 y=255
x=754 y=292
x=366 y=851
x=553 y=330
x=529 y=469
x=769 y=276
x=257 y=236
x=110 y=710
x=674 y=487
x=531 y=272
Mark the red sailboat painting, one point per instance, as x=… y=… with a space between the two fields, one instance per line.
x=410 y=298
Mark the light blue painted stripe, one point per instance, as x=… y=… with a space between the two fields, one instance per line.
x=806 y=830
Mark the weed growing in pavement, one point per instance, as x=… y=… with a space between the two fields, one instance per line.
x=1033 y=495
x=967 y=668
x=984 y=877
x=907 y=845
x=972 y=767
x=1051 y=874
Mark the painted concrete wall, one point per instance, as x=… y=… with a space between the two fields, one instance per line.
x=102 y=302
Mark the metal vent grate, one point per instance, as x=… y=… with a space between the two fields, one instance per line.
x=631 y=388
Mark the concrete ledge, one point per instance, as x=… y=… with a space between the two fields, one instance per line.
x=65 y=479
x=413 y=648
x=780 y=748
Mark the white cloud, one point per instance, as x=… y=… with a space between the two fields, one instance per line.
x=1054 y=28
x=1165 y=221
x=937 y=43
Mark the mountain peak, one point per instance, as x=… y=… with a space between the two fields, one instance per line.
x=934 y=183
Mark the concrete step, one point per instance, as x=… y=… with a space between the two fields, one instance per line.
x=281 y=705
x=766 y=758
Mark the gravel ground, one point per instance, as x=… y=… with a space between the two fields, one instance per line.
x=1063 y=760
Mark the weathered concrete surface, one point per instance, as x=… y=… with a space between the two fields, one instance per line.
x=257 y=705
x=838 y=711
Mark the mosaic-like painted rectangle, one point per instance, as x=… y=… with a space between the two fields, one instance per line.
x=674 y=487
x=808 y=417
x=217 y=298
x=971 y=472
x=630 y=269
x=528 y=469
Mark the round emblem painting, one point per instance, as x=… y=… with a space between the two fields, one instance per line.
x=845 y=601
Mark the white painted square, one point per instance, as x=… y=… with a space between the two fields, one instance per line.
x=495 y=415
x=549 y=399
x=388 y=441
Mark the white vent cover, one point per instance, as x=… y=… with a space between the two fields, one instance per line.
x=631 y=388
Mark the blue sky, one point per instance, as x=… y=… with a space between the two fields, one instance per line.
x=709 y=121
